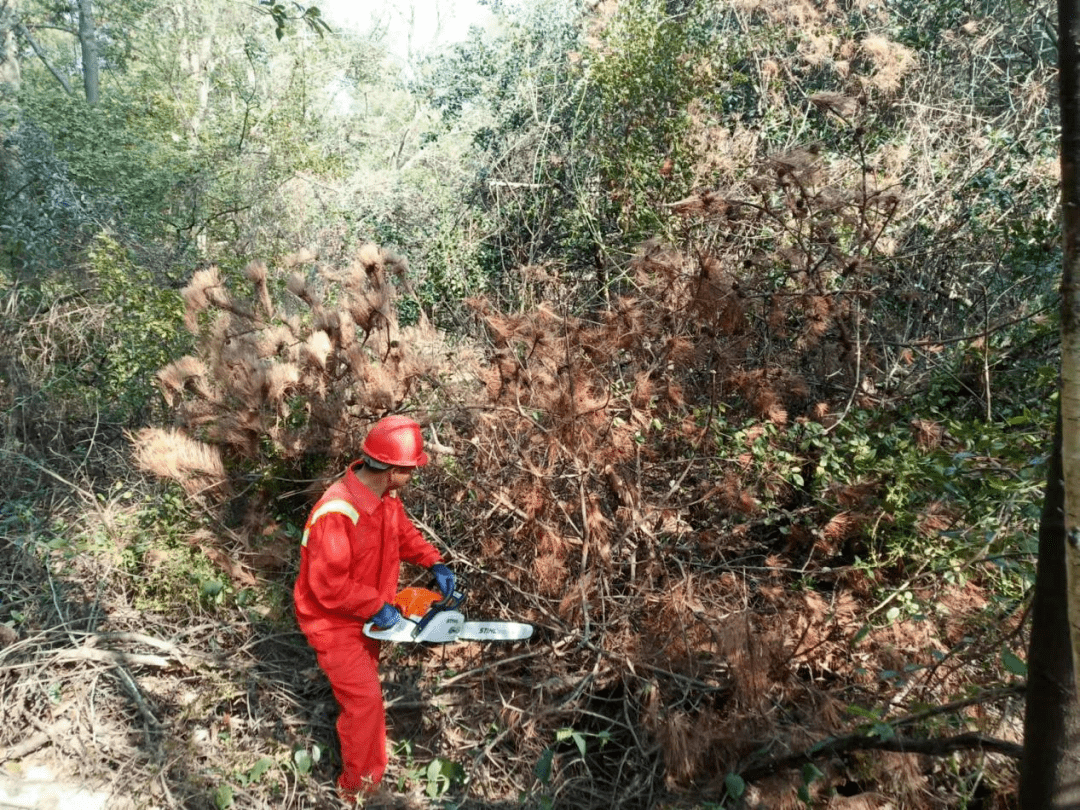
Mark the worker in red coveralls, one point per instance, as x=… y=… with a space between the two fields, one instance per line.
x=351 y=552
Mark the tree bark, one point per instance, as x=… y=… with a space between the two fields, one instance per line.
x=1050 y=767
x=88 y=43
x=1069 y=78
x=9 y=61
x=1050 y=663
x=198 y=25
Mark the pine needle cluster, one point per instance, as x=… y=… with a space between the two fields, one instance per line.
x=286 y=378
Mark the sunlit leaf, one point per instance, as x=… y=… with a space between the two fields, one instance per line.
x=302 y=760
x=579 y=741
x=260 y=768
x=223 y=797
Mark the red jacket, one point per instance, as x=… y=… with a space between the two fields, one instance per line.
x=351 y=555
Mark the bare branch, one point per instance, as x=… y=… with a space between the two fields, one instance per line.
x=22 y=29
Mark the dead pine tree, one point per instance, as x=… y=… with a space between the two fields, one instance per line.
x=1050 y=768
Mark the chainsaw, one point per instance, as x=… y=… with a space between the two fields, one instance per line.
x=427 y=616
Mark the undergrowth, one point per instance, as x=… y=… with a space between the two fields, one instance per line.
x=715 y=579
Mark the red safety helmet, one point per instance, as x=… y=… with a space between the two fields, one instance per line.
x=396 y=441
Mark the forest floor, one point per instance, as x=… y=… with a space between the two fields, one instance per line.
x=230 y=710
x=42 y=787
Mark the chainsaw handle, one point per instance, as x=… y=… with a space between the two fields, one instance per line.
x=454 y=600
x=451 y=602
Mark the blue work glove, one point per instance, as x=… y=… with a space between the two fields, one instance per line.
x=444 y=578
x=387 y=617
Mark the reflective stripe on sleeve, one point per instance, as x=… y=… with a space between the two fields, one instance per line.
x=330 y=507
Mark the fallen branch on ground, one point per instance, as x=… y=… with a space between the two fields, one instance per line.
x=840 y=746
x=36 y=741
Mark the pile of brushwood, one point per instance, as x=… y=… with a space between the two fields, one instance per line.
x=731 y=604
x=758 y=576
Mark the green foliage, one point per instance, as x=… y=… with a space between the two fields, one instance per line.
x=438 y=777
x=280 y=13
x=123 y=155
x=810 y=773
x=103 y=336
x=544 y=765
x=1014 y=664
x=223 y=797
x=647 y=69
x=441 y=775
x=734 y=786
x=453 y=272
x=43 y=212
x=259 y=769
x=143 y=329
x=304 y=759
x=168 y=574
x=972 y=491
x=525 y=106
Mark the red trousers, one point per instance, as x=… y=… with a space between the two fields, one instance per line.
x=351 y=662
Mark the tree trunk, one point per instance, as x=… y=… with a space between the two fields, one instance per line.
x=1050 y=663
x=198 y=26
x=1050 y=769
x=1069 y=78
x=9 y=61
x=88 y=42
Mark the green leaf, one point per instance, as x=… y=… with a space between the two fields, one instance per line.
x=579 y=741
x=884 y=731
x=302 y=760
x=1015 y=665
x=223 y=797
x=859 y=711
x=735 y=785
x=543 y=766
x=810 y=772
x=211 y=587
x=260 y=768
x=434 y=770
